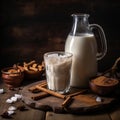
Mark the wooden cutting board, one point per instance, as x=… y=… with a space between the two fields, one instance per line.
x=85 y=102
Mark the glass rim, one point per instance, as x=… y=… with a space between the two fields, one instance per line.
x=58 y=52
x=80 y=14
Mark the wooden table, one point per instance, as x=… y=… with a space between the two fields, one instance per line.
x=34 y=114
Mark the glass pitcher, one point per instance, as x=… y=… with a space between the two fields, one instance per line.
x=81 y=41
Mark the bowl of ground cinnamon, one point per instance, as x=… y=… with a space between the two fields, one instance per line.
x=103 y=85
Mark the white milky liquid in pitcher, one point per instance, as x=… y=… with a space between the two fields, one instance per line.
x=84 y=63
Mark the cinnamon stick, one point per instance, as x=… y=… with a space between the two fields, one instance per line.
x=67 y=101
x=69 y=98
x=50 y=92
x=43 y=83
x=33 y=89
x=77 y=93
x=39 y=96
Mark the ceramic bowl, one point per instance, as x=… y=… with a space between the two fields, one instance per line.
x=103 y=85
x=12 y=77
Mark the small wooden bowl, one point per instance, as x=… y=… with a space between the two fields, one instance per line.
x=12 y=79
x=32 y=75
x=103 y=85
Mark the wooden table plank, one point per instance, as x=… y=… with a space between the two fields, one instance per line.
x=8 y=94
x=29 y=114
x=3 y=97
x=115 y=115
x=54 y=116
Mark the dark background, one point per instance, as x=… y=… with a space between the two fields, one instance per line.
x=29 y=28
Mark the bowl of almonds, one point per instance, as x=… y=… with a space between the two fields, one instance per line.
x=12 y=76
x=33 y=70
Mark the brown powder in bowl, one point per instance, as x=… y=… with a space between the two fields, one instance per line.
x=105 y=81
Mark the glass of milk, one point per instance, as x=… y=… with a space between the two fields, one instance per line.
x=58 y=70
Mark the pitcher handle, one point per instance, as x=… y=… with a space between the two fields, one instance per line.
x=103 y=41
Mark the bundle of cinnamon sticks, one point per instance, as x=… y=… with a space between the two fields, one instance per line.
x=44 y=92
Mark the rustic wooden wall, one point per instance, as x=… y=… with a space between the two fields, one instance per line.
x=30 y=28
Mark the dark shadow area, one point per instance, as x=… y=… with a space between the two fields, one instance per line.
x=31 y=28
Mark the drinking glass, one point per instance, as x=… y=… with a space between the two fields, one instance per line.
x=58 y=70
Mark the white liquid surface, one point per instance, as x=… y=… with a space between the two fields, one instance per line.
x=84 y=64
